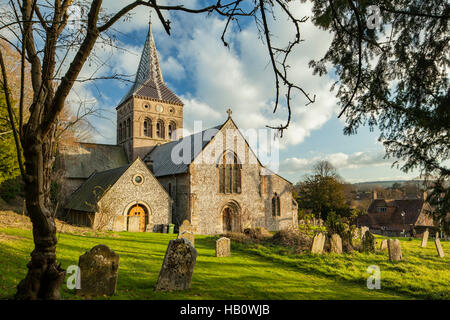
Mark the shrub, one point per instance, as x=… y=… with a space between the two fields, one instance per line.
x=11 y=188
x=258 y=233
x=292 y=238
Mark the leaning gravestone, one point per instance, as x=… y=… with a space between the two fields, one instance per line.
x=318 y=243
x=134 y=223
x=439 y=249
x=98 y=271
x=394 y=250
x=336 y=244
x=363 y=231
x=223 y=247
x=368 y=242
x=384 y=244
x=185 y=226
x=425 y=239
x=178 y=266
x=187 y=235
x=119 y=223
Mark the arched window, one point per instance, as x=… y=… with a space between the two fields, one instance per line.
x=119 y=132
x=148 y=128
x=229 y=173
x=129 y=128
x=160 y=129
x=171 y=130
x=276 y=211
x=124 y=130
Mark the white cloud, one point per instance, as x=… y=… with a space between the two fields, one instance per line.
x=338 y=160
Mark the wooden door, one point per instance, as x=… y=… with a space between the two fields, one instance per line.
x=137 y=210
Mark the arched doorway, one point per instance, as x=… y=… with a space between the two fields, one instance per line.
x=231 y=218
x=137 y=210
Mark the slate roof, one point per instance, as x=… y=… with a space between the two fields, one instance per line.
x=80 y=160
x=161 y=155
x=86 y=197
x=149 y=82
x=392 y=218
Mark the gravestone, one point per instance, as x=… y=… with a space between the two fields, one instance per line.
x=178 y=266
x=425 y=239
x=318 y=243
x=150 y=227
x=98 y=272
x=223 y=247
x=363 y=232
x=187 y=235
x=439 y=249
x=394 y=250
x=384 y=244
x=134 y=223
x=368 y=242
x=185 y=226
x=119 y=223
x=336 y=244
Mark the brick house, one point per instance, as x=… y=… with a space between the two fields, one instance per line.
x=391 y=216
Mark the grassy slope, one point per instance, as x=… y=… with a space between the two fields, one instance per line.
x=252 y=272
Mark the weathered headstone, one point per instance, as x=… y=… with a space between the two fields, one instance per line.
x=98 y=271
x=318 y=243
x=134 y=223
x=223 y=247
x=119 y=223
x=394 y=250
x=439 y=249
x=368 y=242
x=178 y=266
x=384 y=244
x=425 y=239
x=336 y=244
x=363 y=232
x=187 y=235
x=185 y=226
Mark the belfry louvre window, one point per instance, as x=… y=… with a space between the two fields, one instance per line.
x=229 y=170
x=276 y=211
x=160 y=129
x=148 y=128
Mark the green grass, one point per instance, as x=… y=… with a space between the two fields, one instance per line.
x=252 y=272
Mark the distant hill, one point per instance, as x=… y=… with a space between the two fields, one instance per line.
x=368 y=186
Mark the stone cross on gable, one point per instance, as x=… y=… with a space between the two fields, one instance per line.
x=229 y=112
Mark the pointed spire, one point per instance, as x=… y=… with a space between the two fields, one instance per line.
x=149 y=81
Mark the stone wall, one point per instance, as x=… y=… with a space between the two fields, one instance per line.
x=124 y=194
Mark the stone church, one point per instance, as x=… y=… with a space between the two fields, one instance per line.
x=154 y=177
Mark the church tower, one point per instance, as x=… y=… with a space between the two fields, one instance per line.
x=150 y=113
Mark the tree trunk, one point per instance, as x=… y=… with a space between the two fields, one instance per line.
x=45 y=276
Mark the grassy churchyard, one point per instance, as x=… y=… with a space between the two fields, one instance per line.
x=254 y=271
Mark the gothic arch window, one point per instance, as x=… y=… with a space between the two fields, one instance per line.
x=129 y=128
x=124 y=130
x=160 y=129
x=171 y=130
x=229 y=170
x=119 y=132
x=148 y=128
x=276 y=211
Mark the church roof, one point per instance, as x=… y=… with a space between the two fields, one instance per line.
x=80 y=159
x=161 y=155
x=149 y=82
x=86 y=197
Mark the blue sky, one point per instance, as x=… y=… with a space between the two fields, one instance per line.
x=210 y=78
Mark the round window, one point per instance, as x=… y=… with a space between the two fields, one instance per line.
x=146 y=106
x=159 y=108
x=138 y=179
